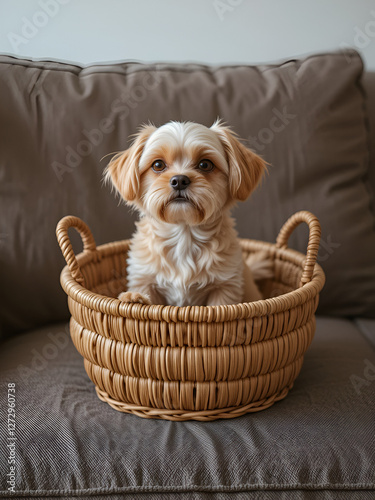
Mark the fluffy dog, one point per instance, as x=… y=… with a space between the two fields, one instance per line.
x=184 y=178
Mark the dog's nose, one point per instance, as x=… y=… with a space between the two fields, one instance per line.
x=180 y=182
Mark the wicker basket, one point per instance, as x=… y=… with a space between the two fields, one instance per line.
x=197 y=362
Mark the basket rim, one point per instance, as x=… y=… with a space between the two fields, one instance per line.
x=230 y=312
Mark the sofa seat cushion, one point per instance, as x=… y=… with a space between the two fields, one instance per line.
x=319 y=439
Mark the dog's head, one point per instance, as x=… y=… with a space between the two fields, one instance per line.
x=185 y=172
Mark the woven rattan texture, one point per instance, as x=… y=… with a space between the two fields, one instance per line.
x=183 y=363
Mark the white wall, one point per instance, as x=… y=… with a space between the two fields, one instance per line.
x=209 y=31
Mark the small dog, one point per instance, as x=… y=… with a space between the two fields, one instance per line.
x=184 y=178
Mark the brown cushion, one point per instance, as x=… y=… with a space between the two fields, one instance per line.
x=320 y=438
x=369 y=88
x=305 y=117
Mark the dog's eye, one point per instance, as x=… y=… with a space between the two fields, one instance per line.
x=158 y=166
x=206 y=166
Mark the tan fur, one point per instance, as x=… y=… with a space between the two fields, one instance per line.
x=123 y=168
x=186 y=253
x=246 y=168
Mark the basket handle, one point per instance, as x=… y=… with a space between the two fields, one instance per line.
x=66 y=246
x=313 y=244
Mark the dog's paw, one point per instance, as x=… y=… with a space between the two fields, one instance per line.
x=134 y=297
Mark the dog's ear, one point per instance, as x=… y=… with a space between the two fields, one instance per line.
x=123 y=170
x=245 y=167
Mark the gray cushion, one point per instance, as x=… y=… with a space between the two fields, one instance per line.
x=318 y=440
x=58 y=121
x=200 y=495
x=234 y=495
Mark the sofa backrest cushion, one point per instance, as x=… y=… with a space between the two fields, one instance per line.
x=307 y=118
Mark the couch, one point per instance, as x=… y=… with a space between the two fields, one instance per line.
x=313 y=120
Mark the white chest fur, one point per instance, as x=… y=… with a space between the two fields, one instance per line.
x=182 y=263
